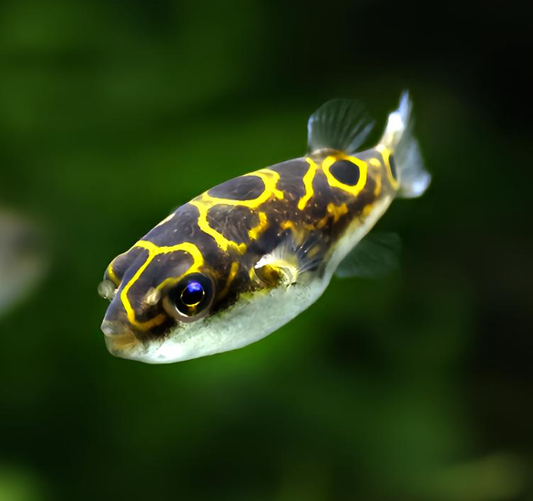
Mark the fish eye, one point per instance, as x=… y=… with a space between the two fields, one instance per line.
x=193 y=294
x=191 y=298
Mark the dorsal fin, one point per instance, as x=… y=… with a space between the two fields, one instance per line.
x=340 y=124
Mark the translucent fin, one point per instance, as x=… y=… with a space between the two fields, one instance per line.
x=398 y=138
x=375 y=256
x=291 y=258
x=340 y=124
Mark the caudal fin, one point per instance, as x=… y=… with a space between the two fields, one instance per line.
x=399 y=140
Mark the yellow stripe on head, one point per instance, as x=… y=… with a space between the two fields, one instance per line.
x=112 y=275
x=153 y=251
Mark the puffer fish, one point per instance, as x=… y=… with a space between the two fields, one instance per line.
x=244 y=258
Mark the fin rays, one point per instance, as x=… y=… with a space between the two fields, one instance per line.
x=340 y=124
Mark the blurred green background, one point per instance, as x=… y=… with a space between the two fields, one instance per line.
x=413 y=387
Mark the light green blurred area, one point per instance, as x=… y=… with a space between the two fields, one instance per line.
x=111 y=116
x=19 y=485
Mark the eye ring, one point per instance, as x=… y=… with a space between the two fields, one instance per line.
x=191 y=298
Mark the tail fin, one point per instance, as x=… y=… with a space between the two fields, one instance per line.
x=398 y=138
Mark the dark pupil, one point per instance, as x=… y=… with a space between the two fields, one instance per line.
x=346 y=172
x=192 y=294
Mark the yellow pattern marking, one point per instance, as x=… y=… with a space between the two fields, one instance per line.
x=386 y=153
x=368 y=210
x=335 y=183
x=232 y=273
x=205 y=201
x=260 y=228
x=308 y=184
x=335 y=212
x=377 y=190
x=270 y=179
x=297 y=231
x=112 y=274
x=204 y=225
x=153 y=251
x=376 y=174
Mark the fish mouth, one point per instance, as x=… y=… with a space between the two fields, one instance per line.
x=120 y=341
x=122 y=345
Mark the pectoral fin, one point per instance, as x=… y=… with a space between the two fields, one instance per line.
x=375 y=256
x=297 y=253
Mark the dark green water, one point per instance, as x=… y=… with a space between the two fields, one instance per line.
x=413 y=387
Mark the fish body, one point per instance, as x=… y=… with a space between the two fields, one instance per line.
x=245 y=257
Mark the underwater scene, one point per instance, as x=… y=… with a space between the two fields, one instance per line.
x=265 y=251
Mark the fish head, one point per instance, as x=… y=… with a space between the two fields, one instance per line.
x=154 y=293
x=174 y=304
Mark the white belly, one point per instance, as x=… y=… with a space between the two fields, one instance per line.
x=249 y=320
x=257 y=315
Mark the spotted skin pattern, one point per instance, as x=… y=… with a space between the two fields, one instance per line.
x=224 y=232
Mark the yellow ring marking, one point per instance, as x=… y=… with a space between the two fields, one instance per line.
x=386 y=153
x=270 y=179
x=204 y=225
x=335 y=183
x=260 y=228
x=153 y=251
x=376 y=174
x=205 y=201
x=308 y=184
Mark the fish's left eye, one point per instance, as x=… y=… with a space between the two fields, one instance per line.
x=193 y=294
x=191 y=298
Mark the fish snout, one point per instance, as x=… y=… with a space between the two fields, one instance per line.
x=110 y=328
x=120 y=340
